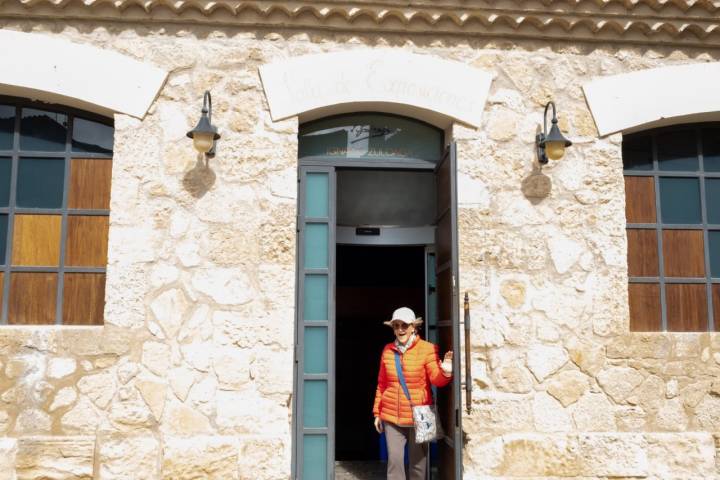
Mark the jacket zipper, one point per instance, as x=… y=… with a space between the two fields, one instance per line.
x=399 y=412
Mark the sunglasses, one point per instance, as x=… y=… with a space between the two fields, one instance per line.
x=400 y=326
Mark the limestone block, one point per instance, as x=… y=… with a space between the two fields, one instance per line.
x=169 y=309
x=181 y=379
x=153 y=392
x=8 y=452
x=271 y=371
x=568 y=386
x=511 y=99
x=202 y=395
x=40 y=391
x=182 y=420
x=123 y=457
x=531 y=455
x=482 y=455
x=248 y=412
x=15 y=367
x=4 y=421
x=472 y=192
x=489 y=331
x=63 y=398
x=513 y=292
x=86 y=341
x=671 y=416
x=618 y=382
x=32 y=421
x=55 y=458
x=61 y=367
x=543 y=360
x=198 y=355
x=502 y=125
x=14 y=395
x=614 y=454
x=135 y=244
x=100 y=388
x=501 y=412
x=689 y=455
x=513 y=378
x=547 y=331
x=232 y=366
x=82 y=418
x=549 y=414
x=649 y=394
x=156 y=357
x=705 y=355
x=129 y=410
x=200 y=457
x=707 y=413
x=163 y=274
x=126 y=371
x=687 y=346
x=564 y=252
x=630 y=418
x=590 y=358
x=593 y=413
x=196 y=327
x=225 y=286
x=263 y=458
x=638 y=345
x=694 y=393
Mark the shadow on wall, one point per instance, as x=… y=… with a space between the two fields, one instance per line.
x=200 y=179
x=536 y=186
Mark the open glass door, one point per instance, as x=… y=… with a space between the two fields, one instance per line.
x=448 y=322
x=314 y=412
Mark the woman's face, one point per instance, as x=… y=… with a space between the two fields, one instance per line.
x=402 y=331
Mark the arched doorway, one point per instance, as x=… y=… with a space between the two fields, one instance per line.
x=377 y=195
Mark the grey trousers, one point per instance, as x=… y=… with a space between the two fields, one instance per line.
x=396 y=438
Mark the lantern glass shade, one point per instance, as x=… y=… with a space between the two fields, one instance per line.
x=555 y=150
x=203 y=141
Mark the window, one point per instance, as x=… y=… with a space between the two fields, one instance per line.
x=370 y=137
x=672 y=190
x=55 y=167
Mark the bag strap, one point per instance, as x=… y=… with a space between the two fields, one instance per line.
x=401 y=377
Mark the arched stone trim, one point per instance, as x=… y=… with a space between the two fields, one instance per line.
x=54 y=70
x=422 y=86
x=655 y=97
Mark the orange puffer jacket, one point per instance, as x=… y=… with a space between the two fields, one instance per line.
x=421 y=367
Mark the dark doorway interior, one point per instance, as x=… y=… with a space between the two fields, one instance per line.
x=371 y=282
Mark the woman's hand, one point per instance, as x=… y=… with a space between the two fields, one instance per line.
x=447 y=364
x=378 y=425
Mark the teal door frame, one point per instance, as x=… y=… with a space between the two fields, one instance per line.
x=314 y=384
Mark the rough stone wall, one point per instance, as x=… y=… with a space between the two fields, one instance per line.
x=191 y=377
x=561 y=387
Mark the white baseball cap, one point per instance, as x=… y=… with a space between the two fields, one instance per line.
x=405 y=315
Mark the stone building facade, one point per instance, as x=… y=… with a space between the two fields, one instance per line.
x=191 y=374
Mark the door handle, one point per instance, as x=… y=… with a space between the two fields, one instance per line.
x=468 y=366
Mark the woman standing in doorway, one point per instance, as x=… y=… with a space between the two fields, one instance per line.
x=392 y=409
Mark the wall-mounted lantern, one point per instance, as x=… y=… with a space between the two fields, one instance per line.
x=205 y=133
x=550 y=145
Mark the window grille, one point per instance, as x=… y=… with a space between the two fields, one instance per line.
x=55 y=173
x=672 y=193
